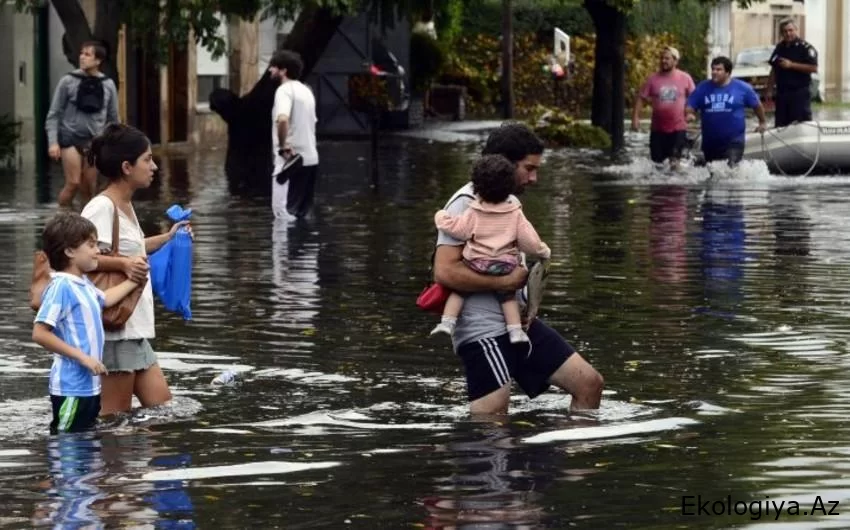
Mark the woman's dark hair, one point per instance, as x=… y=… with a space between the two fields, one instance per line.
x=291 y=61
x=514 y=141
x=97 y=47
x=66 y=230
x=118 y=143
x=493 y=178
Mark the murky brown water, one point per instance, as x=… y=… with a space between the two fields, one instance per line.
x=716 y=310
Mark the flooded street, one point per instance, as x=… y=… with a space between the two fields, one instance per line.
x=716 y=308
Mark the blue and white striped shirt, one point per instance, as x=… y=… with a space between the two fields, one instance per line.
x=73 y=307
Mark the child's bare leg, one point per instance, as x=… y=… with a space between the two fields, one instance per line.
x=447 y=324
x=513 y=320
x=454 y=303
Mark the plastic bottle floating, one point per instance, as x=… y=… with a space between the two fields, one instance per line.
x=225 y=378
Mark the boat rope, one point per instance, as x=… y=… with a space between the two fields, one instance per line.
x=767 y=156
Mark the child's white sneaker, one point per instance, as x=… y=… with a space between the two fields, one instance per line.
x=443 y=327
x=516 y=334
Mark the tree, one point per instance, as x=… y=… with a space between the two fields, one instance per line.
x=176 y=20
x=609 y=21
x=248 y=163
x=608 y=109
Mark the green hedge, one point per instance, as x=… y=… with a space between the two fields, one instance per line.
x=686 y=20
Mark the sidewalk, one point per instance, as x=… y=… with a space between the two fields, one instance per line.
x=452 y=131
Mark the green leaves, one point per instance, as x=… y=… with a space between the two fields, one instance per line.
x=559 y=129
x=627 y=5
x=621 y=5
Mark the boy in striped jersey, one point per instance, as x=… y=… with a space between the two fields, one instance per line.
x=69 y=322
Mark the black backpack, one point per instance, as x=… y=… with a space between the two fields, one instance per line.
x=89 y=93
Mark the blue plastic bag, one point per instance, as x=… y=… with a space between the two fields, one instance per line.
x=171 y=267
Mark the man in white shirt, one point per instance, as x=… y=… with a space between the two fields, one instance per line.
x=296 y=160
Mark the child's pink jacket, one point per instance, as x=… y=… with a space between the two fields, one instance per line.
x=493 y=231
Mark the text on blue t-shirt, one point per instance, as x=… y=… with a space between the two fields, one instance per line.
x=722 y=111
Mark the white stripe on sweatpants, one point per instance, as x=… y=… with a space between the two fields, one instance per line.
x=499 y=358
x=495 y=360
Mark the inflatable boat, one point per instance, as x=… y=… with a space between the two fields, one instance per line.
x=804 y=148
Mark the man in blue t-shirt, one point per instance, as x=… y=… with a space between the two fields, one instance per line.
x=722 y=101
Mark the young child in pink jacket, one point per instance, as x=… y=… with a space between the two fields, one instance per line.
x=495 y=231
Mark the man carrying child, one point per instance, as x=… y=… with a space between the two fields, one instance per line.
x=490 y=359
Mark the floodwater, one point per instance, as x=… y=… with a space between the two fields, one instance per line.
x=715 y=308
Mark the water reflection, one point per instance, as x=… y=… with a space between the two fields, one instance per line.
x=723 y=252
x=668 y=214
x=169 y=497
x=76 y=467
x=130 y=454
x=294 y=292
x=792 y=247
x=495 y=485
x=88 y=485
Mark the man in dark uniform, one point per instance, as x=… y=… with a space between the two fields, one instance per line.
x=794 y=61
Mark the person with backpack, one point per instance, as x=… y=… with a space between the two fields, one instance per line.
x=85 y=102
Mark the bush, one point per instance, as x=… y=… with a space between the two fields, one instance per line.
x=558 y=129
x=10 y=133
x=685 y=20
x=448 y=20
x=475 y=63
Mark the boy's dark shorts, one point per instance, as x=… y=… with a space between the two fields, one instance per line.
x=74 y=414
x=492 y=363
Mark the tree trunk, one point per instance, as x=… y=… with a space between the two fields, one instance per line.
x=618 y=83
x=77 y=30
x=248 y=165
x=608 y=108
x=107 y=25
x=507 y=60
x=244 y=54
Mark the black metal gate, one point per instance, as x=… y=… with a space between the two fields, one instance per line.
x=350 y=52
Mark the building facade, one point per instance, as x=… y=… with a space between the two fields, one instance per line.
x=733 y=29
x=824 y=23
x=828 y=29
x=18 y=76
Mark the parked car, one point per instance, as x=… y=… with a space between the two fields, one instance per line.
x=751 y=66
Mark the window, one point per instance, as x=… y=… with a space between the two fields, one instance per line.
x=798 y=21
x=211 y=73
x=208 y=83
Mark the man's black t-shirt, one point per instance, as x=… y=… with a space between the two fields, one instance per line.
x=798 y=51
